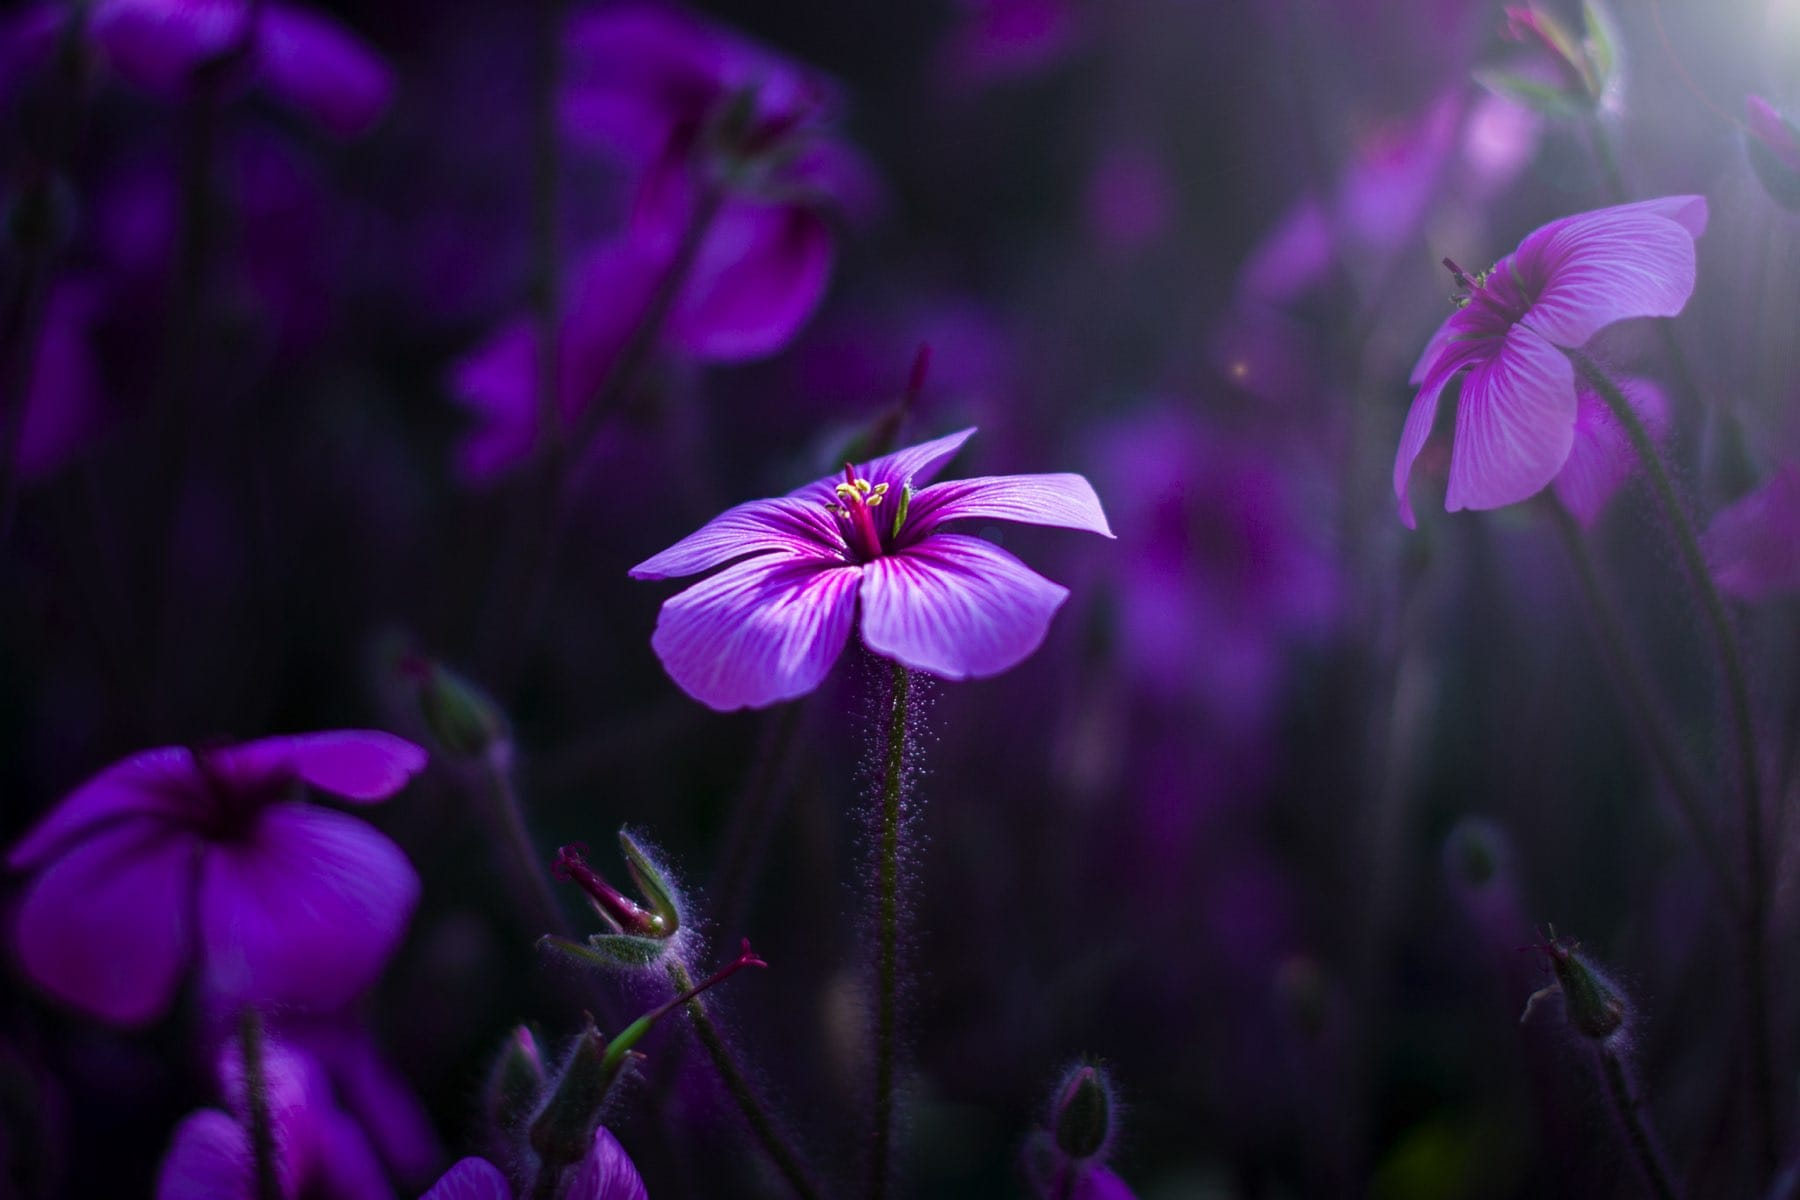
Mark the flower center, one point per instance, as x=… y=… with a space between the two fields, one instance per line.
x=1470 y=284
x=857 y=500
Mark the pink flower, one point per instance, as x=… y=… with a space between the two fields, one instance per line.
x=176 y=854
x=1601 y=457
x=1516 y=417
x=769 y=626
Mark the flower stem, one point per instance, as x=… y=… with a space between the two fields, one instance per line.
x=509 y=815
x=256 y=1099
x=1629 y=673
x=768 y=1134
x=1628 y=1108
x=887 y=964
x=1753 y=912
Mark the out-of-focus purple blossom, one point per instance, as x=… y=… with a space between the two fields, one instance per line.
x=1472 y=149
x=1754 y=545
x=178 y=853
x=716 y=124
x=1568 y=280
x=498 y=381
x=606 y=1173
x=1130 y=198
x=1601 y=457
x=318 y=1149
x=995 y=40
x=1223 y=568
x=797 y=567
x=64 y=404
x=305 y=59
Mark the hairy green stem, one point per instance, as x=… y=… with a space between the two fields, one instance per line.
x=762 y=1125
x=1753 y=912
x=1634 y=681
x=256 y=1100
x=1628 y=1107
x=887 y=961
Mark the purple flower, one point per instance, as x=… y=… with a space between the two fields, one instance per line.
x=176 y=853
x=1754 y=545
x=319 y=1150
x=769 y=626
x=607 y=1173
x=305 y=59
x=698 y=110
x=1515 y=420
x=1601 y=458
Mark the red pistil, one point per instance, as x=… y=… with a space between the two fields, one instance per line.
x=613 y=906
x=864 y=538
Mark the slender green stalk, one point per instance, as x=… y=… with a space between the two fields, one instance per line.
x=1634 y=681
x=256 y=1099
x=1753 y=912
x=509 y=816
x=887 y=962
x=1629 y=1109
x=762 y=1125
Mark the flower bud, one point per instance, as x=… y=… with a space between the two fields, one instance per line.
x=1081 y=1119
x=1587 y=65
x=1593 y=1007
x=514 y=1082
x=564 y=1128
x=465 y=720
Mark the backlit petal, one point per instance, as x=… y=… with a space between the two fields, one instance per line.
x=323 y=69
x=1065 y=501
x=790 y=526
x=1413 y=435
x=1515 y=423
x=1588 y=271
x=956 y=606
x=758 y=632
x=1601 y=457
x=160 y=782
x=354 y=764
x=471 y=1179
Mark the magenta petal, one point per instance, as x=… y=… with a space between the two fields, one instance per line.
x=1514 y=424
x=760 y=273
x=1065 y=501
x=1419 y=420
x=209 y=1159
x=606 y=1172
x=355 y=764
x=471 y=1179
x=1291 y=258
x=1754 y=545
x=759 y=632
x=347 y=1168
x=106 y=926
x=799 y=528
x=158 y=782
x=956 y=606
x=1601 y=457
x=63 y=406
x=497 y=381
x=633 y=71
x=916 y=465
x=306 y=910
x=1098 y=1183
x=320 y=67
x=1590 y=270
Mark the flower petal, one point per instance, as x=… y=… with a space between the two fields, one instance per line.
x=1515 y=423
x=916 y=465
x=761 y=271
x=606 y=1172
x=156 y=44
x=1754 y=545
x=1065 y=501
x=160 y=782
x=106 y=927
x=348 y=1168
x=1590 y=270
x=354 y=764
x=794 y=527
x=1601 y=457
x=758 y=632
x=1413 y=435
x=209 y=1158
x=956 y=606
x=323 y=69
x=497 y=382
x=304 y=911
x=471 y=1179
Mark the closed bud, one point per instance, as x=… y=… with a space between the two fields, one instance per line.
x=465 y=720
x=1082 y=1112
x=652 y=883
x=515 y=1082
x=564 y=1128
x=1593 y=1006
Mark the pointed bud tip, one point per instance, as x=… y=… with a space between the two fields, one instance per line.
x=1081 y=1121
